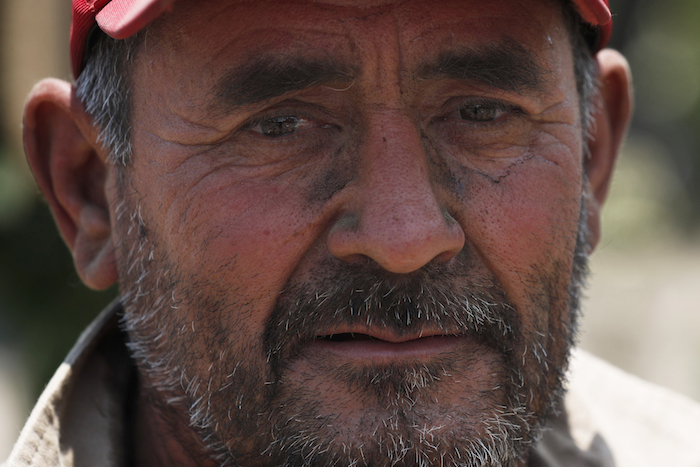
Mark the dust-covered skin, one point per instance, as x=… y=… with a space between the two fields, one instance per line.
x=377 y=180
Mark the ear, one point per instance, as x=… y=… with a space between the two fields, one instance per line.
x=63 y=153
x=610 y=122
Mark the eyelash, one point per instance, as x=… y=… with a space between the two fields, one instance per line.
x=507 y=108
x=263 y=118
x=300 y=115
x=458 y=105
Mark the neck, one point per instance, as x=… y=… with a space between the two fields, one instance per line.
x=158 y=442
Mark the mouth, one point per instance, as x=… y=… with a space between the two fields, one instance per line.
x=381 y=346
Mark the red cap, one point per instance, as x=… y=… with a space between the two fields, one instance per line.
x=117 y=18
x=122 y=18
x=597 y=14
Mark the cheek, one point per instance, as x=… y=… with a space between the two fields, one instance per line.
x=243 y=235
x=525 y=224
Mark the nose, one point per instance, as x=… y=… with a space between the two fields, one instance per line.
x=393 y=216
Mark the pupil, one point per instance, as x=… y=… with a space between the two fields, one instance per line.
x=478 y=112
x=279 y=126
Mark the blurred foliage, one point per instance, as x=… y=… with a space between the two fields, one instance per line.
x=662 y=43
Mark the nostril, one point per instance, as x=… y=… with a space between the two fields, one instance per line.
x=356 y=258
x=445 y=256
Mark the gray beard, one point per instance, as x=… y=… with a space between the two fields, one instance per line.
x=247 y=413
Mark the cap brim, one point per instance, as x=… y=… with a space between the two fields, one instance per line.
x=123 y=18
x=597 y=14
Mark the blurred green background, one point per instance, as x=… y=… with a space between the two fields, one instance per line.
x=642 y=312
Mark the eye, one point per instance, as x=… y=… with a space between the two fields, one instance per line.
x=482 y=112
x=284 y=125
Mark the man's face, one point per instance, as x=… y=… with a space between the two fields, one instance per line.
x=350 y=227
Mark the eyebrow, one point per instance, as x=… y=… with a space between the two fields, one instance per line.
x=507 y=66
x=265 y=78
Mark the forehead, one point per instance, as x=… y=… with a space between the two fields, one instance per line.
x=200 y=38
x=264 y=24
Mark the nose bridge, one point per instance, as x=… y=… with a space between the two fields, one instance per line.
x=395 y=174
x=397 y=220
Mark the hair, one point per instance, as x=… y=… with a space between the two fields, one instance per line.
x=104 y=86
x=583 y=39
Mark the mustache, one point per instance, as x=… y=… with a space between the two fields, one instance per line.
x=437 y=299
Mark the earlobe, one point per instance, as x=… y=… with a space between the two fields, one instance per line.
x=63 y=153
x=611 y=119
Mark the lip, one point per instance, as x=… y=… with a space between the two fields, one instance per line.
x=371 y=347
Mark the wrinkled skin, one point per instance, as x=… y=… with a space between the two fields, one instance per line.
x=377 y=267
x=380 y=169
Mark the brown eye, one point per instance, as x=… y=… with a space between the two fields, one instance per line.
x=280 y=126
x=480 y=112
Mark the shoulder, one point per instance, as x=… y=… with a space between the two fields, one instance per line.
x=78 y=420
x=643 y=424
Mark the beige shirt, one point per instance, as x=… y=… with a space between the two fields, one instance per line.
x=610 y=418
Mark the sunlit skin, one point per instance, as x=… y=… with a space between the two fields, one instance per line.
x=385 y=165
x=207 y=178
x=187 y=162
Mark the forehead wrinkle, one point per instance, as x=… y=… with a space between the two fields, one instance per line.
x=261 y=79
x=506 y=65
